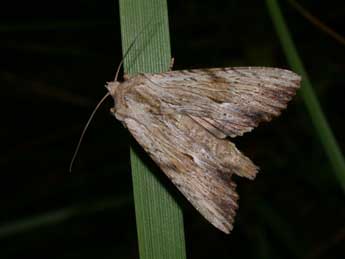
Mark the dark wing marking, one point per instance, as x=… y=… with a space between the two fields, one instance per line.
x=226 y=101
x=198 y=163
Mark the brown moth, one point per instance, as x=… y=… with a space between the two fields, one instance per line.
x=182 y=119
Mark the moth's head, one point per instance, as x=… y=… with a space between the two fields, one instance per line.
x=111 y=87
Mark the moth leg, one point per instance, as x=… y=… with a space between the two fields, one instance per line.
x=171 y=63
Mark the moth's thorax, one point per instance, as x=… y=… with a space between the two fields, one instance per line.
x=120 y=91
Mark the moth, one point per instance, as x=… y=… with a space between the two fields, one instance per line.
x=185 y=121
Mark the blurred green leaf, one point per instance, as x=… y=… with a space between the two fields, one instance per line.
x=317 y=116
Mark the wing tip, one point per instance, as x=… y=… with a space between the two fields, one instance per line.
x=292 y=76
x=226 y=229
x=225 y=219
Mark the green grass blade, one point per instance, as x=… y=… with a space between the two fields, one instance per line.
x=159 y=218
x=312 y=104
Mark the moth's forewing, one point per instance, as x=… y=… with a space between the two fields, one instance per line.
x=232 y=100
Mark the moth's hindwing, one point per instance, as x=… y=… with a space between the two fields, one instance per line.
x=181 y=119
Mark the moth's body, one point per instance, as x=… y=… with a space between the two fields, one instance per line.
x=182 y=119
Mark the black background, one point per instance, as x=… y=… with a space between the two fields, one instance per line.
x=55 y=59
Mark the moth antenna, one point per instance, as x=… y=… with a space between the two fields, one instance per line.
x=123 y=58
x=85 y=128
x=106 y=95
x=130 y=47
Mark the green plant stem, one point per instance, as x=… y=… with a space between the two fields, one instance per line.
x=318 y=118
x=159 y=218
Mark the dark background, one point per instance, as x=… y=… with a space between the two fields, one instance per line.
x=55 y=59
